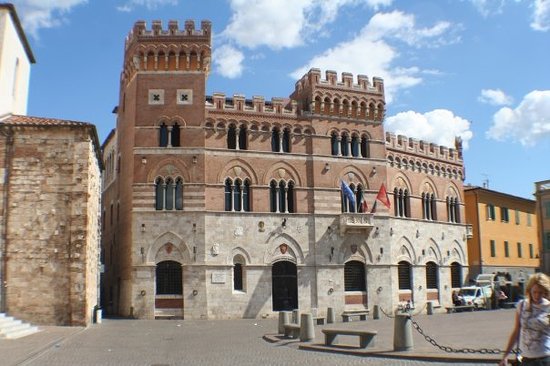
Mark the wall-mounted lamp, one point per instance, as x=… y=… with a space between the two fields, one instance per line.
x=284 y=223
x=142 y=228
x=327 y=167
x=331 y=254
x=143 y=160
x=194 y=159
x=391 y=231
x=373 y=171
x=417 y=233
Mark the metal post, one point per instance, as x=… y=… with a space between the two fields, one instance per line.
x=375 y=312
x=430 y=308
x=330 y=315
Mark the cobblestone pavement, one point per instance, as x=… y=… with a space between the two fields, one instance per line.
x=241 y=342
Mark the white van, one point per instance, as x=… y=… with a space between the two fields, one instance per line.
x=476 y=296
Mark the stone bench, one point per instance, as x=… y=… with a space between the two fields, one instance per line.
x=347 y=315
x=455 y=309
x=292 y=330
x=366 y=338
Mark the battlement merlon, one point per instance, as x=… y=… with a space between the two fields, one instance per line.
x=190 y=34
x=421 y=147
x=313 y=78
x=258 y=104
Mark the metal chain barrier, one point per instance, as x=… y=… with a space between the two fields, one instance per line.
x=494 y=351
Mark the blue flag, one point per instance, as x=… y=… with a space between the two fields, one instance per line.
x=348 y=193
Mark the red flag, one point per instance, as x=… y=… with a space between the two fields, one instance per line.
x=382 y=196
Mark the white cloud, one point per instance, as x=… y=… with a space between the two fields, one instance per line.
x=527 y=123
x=488 y=7
x=541 y=15
x=370 y=52
x=495 y=97
x=149 y=4
x=228 y=61
x=439 y=126
x=37 y=14
x=281 y=24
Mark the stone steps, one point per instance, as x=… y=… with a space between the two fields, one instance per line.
x=11 y=328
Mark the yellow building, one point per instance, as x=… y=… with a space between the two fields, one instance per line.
x=542 y=193
x=504 y=238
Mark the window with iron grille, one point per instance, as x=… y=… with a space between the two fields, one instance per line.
x=404 y=275
x=431 y=275
x=238 y=277
x=169 y=278
x=354 y=276
x=456 y=275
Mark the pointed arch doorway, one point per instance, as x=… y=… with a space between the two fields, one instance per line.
x=284 y=280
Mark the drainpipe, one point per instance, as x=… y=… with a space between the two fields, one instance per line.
x=8 y=156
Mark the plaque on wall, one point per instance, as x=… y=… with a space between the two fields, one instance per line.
x=218 y=277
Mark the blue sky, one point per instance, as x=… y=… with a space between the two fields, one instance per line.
x=477 y=69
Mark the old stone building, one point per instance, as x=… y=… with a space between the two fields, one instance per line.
x=49 y=219
x=230 y=207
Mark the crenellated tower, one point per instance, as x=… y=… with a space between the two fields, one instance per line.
x=340 y=98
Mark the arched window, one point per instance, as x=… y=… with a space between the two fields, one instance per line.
x=175 y=135
x=232 y=137
x=286 y=140
x=237 y=195
x=169 y=195
x=246 y=195
x=159 y=194
x=404 y=275
x=354 y=276
x=275 y=140
x=344 y=145
x=228 y=195
x=281 y=196
x=163 y=135
x=168 y=278
x=243 y=133
x=456 y=275
x=428 y=206
x=290 y=197
x=347 y=204
x=453 y=209
x=179 y=194
x=238 y=273
x=334 y=144
x=401 y=202
x=359 y=199
x=432 y=277
x=365 y=151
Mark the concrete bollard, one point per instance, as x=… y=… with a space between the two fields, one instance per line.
x=402 y=333
x=430 y=308
x=375 y=312
x=330 y=316
x=307 y=332
x=284 y=318
x=296 y=316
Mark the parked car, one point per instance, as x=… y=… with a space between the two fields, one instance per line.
x=476 y=296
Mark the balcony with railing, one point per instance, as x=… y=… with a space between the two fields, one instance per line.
x=356 y=223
